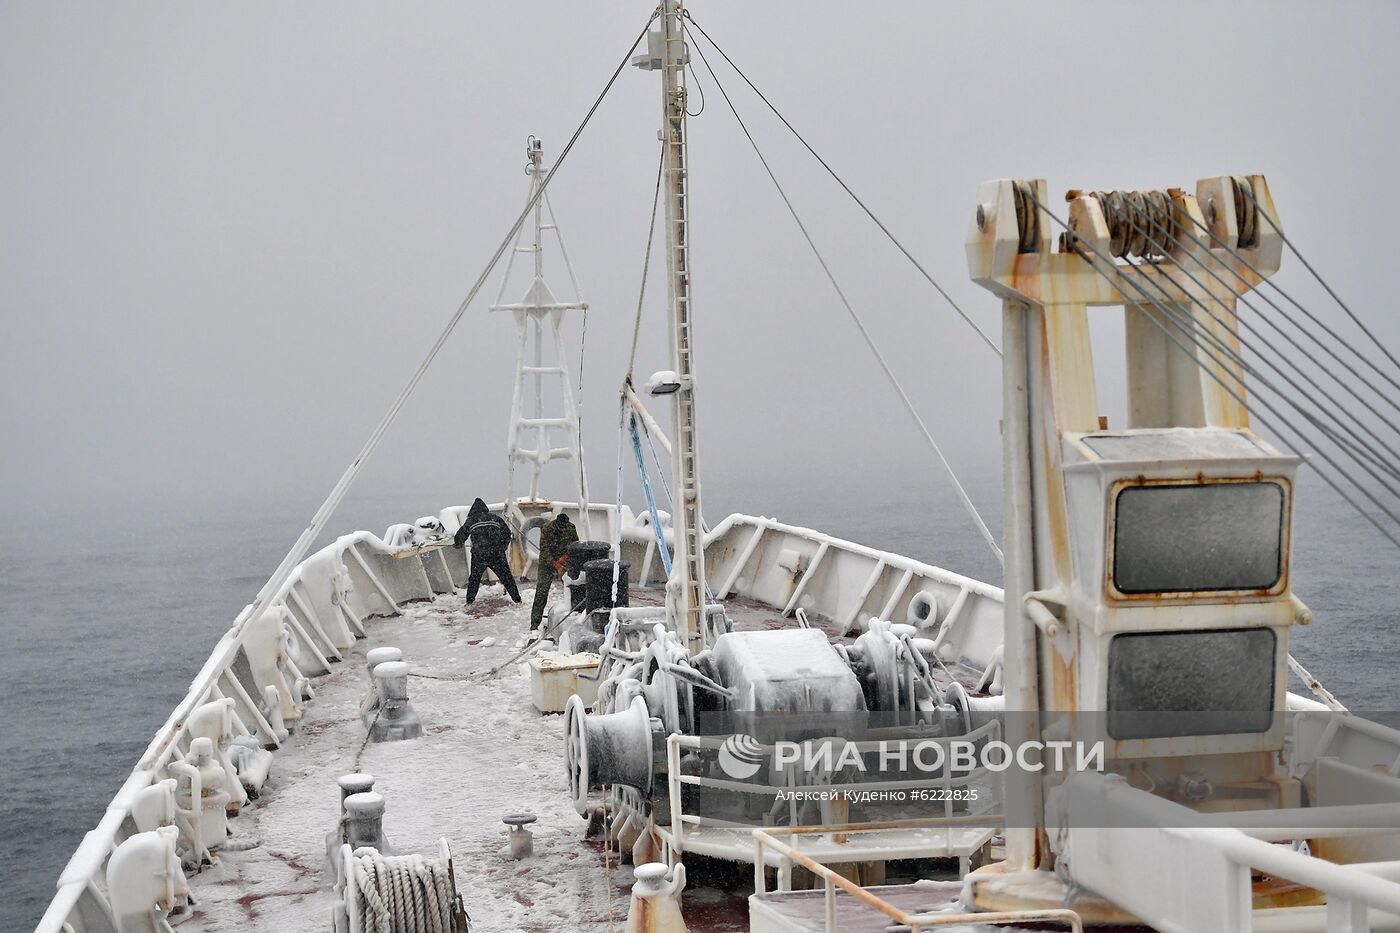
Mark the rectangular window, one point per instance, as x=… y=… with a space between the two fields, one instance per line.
x=1198 y=537
x=1169 y=684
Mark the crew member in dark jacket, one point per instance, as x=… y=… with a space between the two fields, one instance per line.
x=554 y=538
x=490 y=537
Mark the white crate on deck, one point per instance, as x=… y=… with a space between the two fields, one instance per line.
x=554 y=677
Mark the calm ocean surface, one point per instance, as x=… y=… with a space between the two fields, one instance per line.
x=103 y=633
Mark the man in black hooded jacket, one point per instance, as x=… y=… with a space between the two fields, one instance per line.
x=490 y=536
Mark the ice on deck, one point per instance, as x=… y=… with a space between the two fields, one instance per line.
x=485 y=752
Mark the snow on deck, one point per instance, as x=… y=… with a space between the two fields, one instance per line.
x=485 y=752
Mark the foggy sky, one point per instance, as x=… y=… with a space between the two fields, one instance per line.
x=230 y=231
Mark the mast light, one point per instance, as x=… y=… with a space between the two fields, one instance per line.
x=666 y=382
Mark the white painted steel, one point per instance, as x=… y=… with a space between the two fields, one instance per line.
x=537 y=307
x=378 y=580
x=689 y=565
x=957 y=837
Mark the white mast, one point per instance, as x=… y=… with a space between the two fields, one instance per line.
x=536 y=307
x=667 y=52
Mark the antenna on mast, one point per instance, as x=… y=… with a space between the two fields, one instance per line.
x=667 y=53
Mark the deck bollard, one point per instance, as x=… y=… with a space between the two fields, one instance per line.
x=364 y=821
x=395 y=720
x=656 y=899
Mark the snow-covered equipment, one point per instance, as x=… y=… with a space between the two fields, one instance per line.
x=201 y=801
x=395 y=718
x=348 y=785
x=397 y=894
x=522 y=841
x=146 y=882
x=722 y=714
x=656 y=899
x=364 y=820
x=373 y=658
x=606 y=584
x=428 y=529
x=214 y=721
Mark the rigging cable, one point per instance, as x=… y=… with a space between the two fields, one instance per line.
x=832 y=172
x=1371 y=453
x=1362 y=457
x=1242 y=296
x=646 y=265
x=666 y=486
x=656 y=528
x=1249 y=193
x=1221 y=381
x=318 y=521
x=1188 y=329
x=860 y=325
x=1284 y=313
x=1218 y=240
x=691 y=69
x=582 y=355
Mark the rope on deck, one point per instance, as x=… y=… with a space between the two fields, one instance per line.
x=404 y=893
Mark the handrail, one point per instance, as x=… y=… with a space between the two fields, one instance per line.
x=85 y=864
x=764 y=838
x=78 y=880
x=675 y=779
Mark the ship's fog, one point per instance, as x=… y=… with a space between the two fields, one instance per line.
x=230 y=233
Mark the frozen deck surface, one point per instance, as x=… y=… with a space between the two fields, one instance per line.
x=485 y=752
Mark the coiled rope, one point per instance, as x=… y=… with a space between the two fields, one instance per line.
x=404 y=893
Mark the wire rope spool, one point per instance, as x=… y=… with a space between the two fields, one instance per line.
x=1140 y=223
x=1027 y=218
x=1246 y=211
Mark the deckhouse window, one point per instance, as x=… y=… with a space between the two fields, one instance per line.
x=1198 y=537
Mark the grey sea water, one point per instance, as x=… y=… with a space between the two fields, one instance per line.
x=104 y=627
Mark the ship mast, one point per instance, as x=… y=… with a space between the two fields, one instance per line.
x=689 y=564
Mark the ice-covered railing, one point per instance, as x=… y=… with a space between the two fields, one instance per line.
x=790 y=568
x=970 y=802
x=262 y=667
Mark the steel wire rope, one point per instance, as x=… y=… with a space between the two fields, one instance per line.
x=855 y=317
x=327 y=508
x=646 y=267
x=1242 y=296
x=1199 y=338
x=1221 y=242
x=1346 y=443
x=847 y=188
x=582 y=354
x=1221 y=381
x=1249 y=193
x=1188 y=328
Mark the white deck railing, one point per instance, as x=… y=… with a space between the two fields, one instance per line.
x=968 y=799
x=381 y=579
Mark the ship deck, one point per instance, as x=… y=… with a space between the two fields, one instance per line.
x=485 y=752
